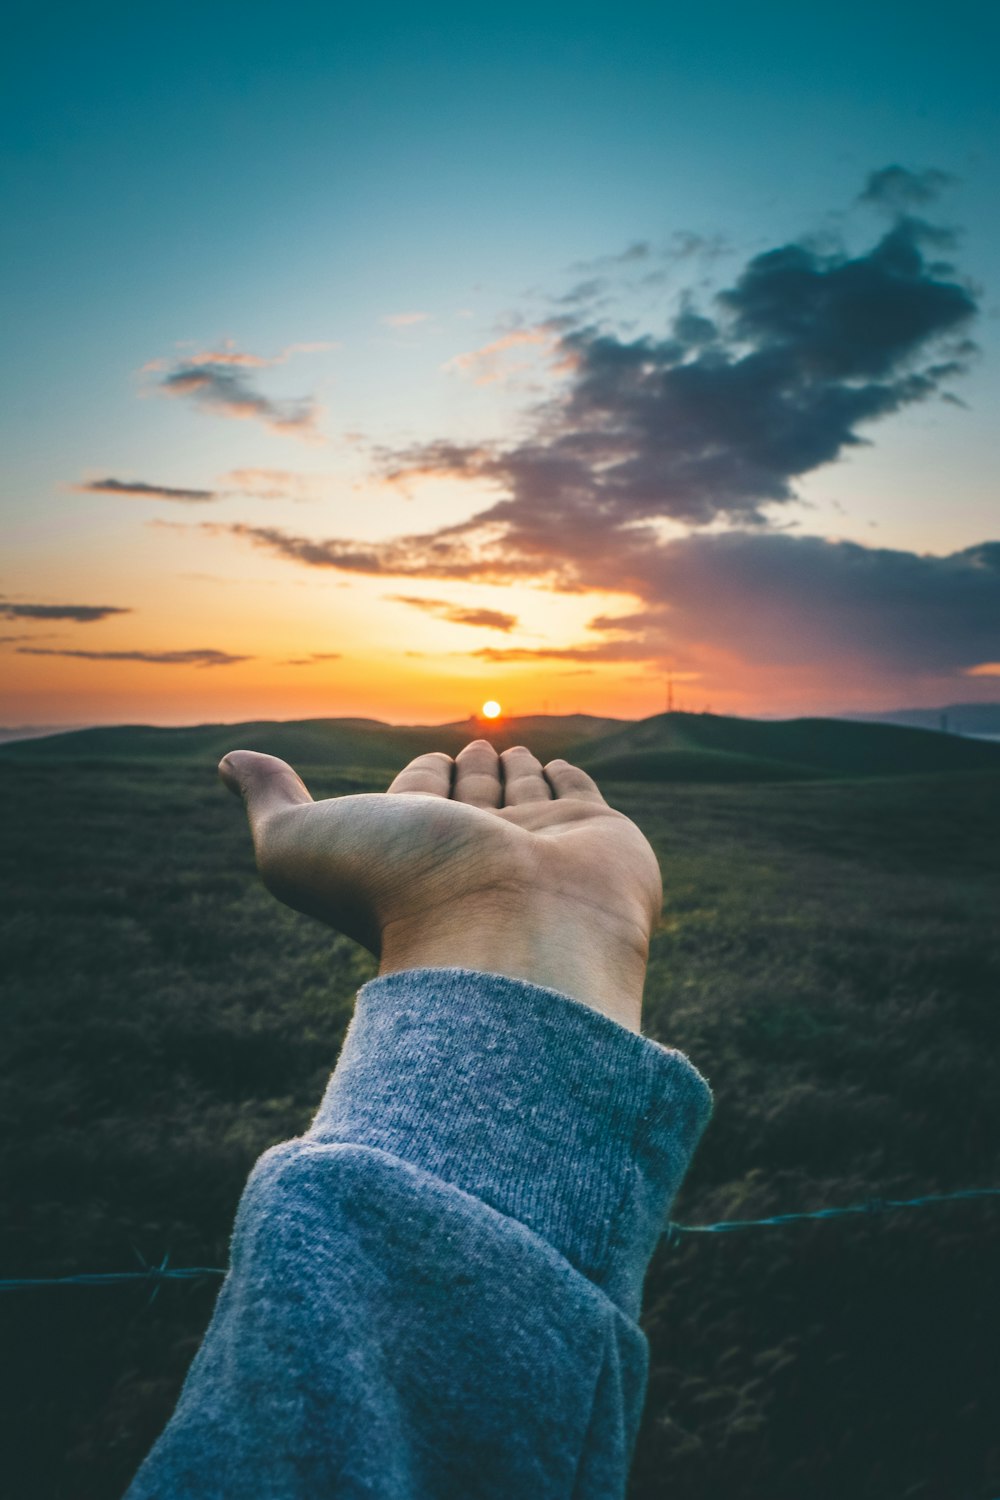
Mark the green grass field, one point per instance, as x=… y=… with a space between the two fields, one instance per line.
x=829 y=956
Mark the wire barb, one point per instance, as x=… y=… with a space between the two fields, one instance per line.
x=671 y=1234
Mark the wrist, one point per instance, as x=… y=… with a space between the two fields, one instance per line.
x=594 y=962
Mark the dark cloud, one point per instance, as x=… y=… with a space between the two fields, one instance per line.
x=227 y=390
x=204 y=657
x=141 y=489
x=456 y=614
x=789 y=604
x=790 y=600
x=898 y=189
x=453 y=552
x=715 y=419
x=83 y=614
x=721 y=416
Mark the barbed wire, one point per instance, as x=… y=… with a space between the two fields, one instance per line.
x=155 y=1275
x=673 y=1231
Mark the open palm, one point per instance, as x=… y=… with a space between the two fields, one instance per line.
x=484 y=861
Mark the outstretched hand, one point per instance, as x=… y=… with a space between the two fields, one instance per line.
x=483 y=862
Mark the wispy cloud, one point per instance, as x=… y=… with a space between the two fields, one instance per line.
x=313 y=659
x=444 y=554
x=259 y=484
x=221 y=381
x=489 y=365
x=203 y=657
x=275 y=484
x=82 y=614
x=456 y=614
x=223 y=391
x=898 y=188
x=144 y=491
x=228 y=354
x=603 y=651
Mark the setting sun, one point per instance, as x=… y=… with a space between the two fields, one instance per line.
x=491 y=710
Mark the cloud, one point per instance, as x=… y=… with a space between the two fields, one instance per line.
x=228 y=354
x=448 y=553
x=786 y=615
x=313 y=659
x=218 y=382
x=608 y=651
x=489 y=619
x=275 y=484
x=719 y=417
x=220 y=389
x=83 y=614
x=898 y=189
x=713 y=602
x=487 y=366
x=638 y=250
x=714 y=420
x=801 y=601
x=404 y=319
x=203 y=657
x=140 y=488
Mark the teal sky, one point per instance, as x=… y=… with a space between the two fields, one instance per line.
x=411 y=185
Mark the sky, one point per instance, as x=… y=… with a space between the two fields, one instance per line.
x=379 y=362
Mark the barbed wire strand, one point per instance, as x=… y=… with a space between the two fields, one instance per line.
x=155 y=1275
x=673 y=1231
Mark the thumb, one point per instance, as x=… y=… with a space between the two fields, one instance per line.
x=266 y=784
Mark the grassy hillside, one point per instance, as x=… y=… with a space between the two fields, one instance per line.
x=829 y=956
x=668 y=747
x=344 y=743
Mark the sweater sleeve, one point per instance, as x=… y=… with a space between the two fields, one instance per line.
x=433 y=1293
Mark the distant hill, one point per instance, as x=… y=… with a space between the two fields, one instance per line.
x=708 y=747
x=11 y=732
x=344 y=743
x=959 y=718
x=664 y=748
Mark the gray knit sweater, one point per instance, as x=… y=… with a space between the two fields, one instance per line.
x=433 y=1293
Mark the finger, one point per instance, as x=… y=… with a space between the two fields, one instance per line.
x=430 y=773
x=477 y=775
x=266 y=784
x=523 y=778
x=569 y=781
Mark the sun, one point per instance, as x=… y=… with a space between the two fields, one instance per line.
x=491 y=709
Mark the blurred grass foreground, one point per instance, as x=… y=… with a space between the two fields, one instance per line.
x=829 y=956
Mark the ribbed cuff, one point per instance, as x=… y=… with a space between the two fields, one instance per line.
x=544 y=1109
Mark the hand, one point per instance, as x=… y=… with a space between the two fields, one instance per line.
x=482 y=862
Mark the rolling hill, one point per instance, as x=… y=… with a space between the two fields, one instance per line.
x=708 y=747
x=338 y=743
x=674 y=747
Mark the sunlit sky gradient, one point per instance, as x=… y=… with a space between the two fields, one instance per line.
x=694 y=308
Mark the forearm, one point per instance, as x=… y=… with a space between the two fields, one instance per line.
x=480 y=1191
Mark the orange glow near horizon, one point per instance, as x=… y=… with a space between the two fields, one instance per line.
x=303 y=644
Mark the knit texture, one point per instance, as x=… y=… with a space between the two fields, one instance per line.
x=433 y=1292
